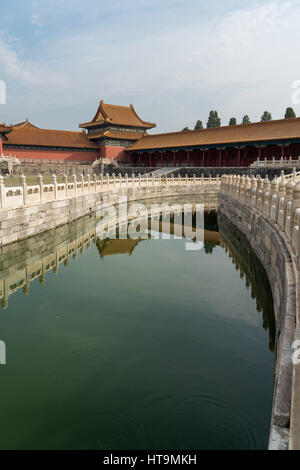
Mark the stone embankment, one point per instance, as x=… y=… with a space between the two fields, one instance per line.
x=268 y=214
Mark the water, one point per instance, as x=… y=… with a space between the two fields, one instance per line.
x=135 y=345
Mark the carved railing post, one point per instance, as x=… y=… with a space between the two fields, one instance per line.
x=281 y=207
x=24 y=189
x=107 y=181
x=242 y=188
x=114 y=180
x=95 y=182
x=89 y=182
x=237 y=186
x=54 y=182
x=65 y=180
x=2 y=193
x=290 y=191
x=133 y=180
x=82 y=183
x=126 y=181
x=296 y=219
x=253 y=192
x=41 y=186
x=288 y=209
x=194 y=179
x=74 y=178
x=266 y=196
x=247 y=193
x=233 y=191
x=294 y=177
x=259 y=194
x=120 y=180
x=140 y=180
x=274 y=199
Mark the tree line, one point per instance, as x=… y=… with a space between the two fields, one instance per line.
x=215 y=121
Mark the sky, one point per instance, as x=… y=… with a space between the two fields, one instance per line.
x=175 y=60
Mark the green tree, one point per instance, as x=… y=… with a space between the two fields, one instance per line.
x=266 y=116
x=198 y=125
x=185 y=129
x=290 y=113
x=232 y=122
x=213 y=120
x=246 y=119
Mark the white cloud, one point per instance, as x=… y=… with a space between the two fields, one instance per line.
x=37 y=20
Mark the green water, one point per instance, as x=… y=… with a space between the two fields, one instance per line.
x=159 y=349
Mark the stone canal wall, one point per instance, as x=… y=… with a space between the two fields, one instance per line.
x=268 y=215
x=29 y=210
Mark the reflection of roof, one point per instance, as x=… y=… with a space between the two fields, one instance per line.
x=259 y=131
x=125 y=135
x=118 y=115
x=116 y=247
x=27 y=134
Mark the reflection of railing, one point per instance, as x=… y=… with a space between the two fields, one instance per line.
x=34 y=261
x=23 y=194
x=20 y=277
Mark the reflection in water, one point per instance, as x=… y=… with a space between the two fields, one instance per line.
x=25 y=261
x=135 y=344
x=251 y=269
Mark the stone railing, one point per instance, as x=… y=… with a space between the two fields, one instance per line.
x=23 y=195
x=273 y=163
x=278 y=201
x=268 y=213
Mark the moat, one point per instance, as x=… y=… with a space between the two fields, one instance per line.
x=135 y=344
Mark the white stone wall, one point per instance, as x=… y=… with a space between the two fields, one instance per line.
x=29 y=210
x=268 y=214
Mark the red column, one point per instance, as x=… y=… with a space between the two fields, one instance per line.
x=174 y=158
x=161 y=159
x=150 y=160
x=208 y=158
x=139 y=160
x=188 y=159
x=203 y=157
x=283 y=151
x=246 y=155
x=239 y=156
x=1 y=146
x=220 y=157
x=259 y=152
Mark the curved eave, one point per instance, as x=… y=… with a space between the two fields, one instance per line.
x=148 y=125
x=5 y=130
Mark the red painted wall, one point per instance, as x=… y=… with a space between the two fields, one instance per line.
x=51 y=155
x=114 y=152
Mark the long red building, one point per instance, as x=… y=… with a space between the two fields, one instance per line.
x=117 y=132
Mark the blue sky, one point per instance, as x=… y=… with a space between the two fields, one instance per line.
x=175 y=60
